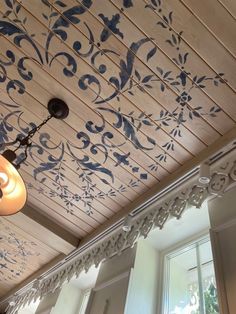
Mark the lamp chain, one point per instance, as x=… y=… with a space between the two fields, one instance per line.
x=25 y=141
x=37 y=128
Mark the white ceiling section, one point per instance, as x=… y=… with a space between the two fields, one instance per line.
x=151 y=89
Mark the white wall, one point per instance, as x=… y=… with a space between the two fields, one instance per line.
x=142 y=294
x=109 y=294
x=68 y=300
x=116 y=265
x=111 y=298
x=48 y=303
x=30 y=309
x=117 y=292
x=64 y=301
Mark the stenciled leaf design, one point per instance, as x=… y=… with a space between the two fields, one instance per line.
x=10 y=29
x=68 y=16
x=128 y=128
x=151 y=53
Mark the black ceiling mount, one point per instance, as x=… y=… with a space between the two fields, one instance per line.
x=58 y=108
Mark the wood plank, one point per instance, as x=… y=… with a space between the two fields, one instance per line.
x=55 y=206
x=149 y=93
x=148 y=23
x=50 y=184
x=128 y=27
x=217 y=20
x=133 y=32
x=30 y=278
x=33 y=184
x=143 y=160
x=71 y=187
x=84 y=221
x=16 y=260
x=199 y=45
x=45 y=230
x=76 y=122
x=50 y=131
x=25 y=254
x=102 y=88
x=96 y=27
x=50 y=213
x=23 y=240
x=142 y=137
x=230 y=5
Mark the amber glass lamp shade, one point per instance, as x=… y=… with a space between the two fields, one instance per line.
x=13 y=192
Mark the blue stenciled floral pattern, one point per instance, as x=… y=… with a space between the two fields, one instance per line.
x=183 y=99
x=111 y=26
x=14 y=254
x=14 y=25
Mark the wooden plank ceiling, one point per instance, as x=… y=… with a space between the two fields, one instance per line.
x=21 y=254
x=149 y=84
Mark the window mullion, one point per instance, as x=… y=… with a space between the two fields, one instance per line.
x=166 y=285
x=200 y=282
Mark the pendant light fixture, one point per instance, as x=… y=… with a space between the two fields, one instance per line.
x=13 y=193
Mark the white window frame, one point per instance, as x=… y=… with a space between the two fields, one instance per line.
x=164 y=266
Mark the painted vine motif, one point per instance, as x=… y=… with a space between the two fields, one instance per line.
x=14 y=258
x=14 y=25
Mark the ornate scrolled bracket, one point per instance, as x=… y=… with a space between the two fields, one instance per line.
x=107 y=251
x=178 y=206
x=88 y=261
x=71 y=273
x=147 y=225
x=119 y=243
x=132 y=236
x=218 y=184
x=197 y=196
x=78 y=267
x=98 y=256
x=162 y=215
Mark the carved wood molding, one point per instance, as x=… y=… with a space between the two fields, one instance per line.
x=172 y=205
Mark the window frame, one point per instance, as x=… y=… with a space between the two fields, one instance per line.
x=165 y=257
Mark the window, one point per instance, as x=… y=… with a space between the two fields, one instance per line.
x=190 y=286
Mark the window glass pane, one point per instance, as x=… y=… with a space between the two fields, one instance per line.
x=183 y=296
x=208 y=279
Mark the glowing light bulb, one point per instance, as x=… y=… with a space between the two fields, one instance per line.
x=3 y=179
x=7 y=180
x=13 y=192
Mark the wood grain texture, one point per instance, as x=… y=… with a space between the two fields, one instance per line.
x=21 y=253
x=150 y=86
x=230 y=6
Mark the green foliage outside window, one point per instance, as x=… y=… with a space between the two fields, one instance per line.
x=211 y=302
